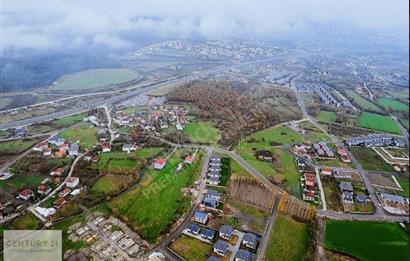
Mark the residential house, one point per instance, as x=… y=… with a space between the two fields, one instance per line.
x=63 y=147
x=221 y=248
x=43 y=189
x=250 y=240
x=72 y=182
x=193 y=228
x=188 y=159
x=41 y=146
x=45 y=212
x=46 y=152
x=213 y=181
x=208 y=234
x=201 y=217
x=129 y=147
x=59 y=154
x=20 y=132
x=210 y=202
x=57 y=172
x=226 y=232
x=56 y=140
x=310 y=179
x=59 y=202
x=73 y=149
x=347 y=191
x=326 y=171
x=64 y=192
x=213 y=194
x=361 y=199
x=26 y=194
x=159 y=163
x=243 y=255
x=106 y=147
x=214 y=174
x=309 y=195
x=392 y=199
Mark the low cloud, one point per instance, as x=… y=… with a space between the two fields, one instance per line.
x=73 y=23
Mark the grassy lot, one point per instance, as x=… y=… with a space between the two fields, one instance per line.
x=362 y=102
x=289 y=240
x=190 y=248
x=332 y=195
x=94 y=78
x=404 y=183
x=147 y=153
x=369 y=159
x=237 y=170
x=25 y=222
x=393 y=104
x=378 y=122
x=329 y=116
x=85 y=133
x=68 y=121
x=367 y=240
x=282 y=170
x=157 y=202
x=202 y=132
x=16 y=146
x=110 y=184
x=271 y=136
x=26 y=181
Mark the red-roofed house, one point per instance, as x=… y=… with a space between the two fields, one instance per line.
x=326 y=171
x=47 y=151
x=43 y=189
x=63 y=147
x=26 y=194
x=159 y=163
x=59 y=202
x=59 y=154
x=106 y=147
x=72 y=182
x=57 y=172
x=189 y=159
x=64 y=192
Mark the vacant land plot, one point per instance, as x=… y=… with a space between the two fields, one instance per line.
x=378 y=122
x=332 y=194
x=283 y=169
x=326 y=116
x=85 y=133
x=190 y=248
x=237 y=170
x=25 y=222
x=110 y=184
x=67 y=121
x=157 y=202
x=367 y=240
x=404 y=183
x=405 y=123
x=202 y=132
x=16 y=146
x=362 y=102
x=94 y=78
x=289 y=240
x=393 y=104
x=369 y=159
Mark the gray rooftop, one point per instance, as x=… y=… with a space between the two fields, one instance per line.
x=346 y=186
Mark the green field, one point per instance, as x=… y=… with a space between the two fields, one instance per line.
x=329 y=116
x=289 y=240
x=367 y=240
x=190 y=248
x=68 y=121
x=110 y=184
x=393 y=104
x=404 y=183
x=378 y=122
x=405 y=123
x=369 y=159
x=16 y=146
x=85 y=133
x=152 y=206
x=202 y=132
x=25 y=181
x=94 y=79
x=362 y=102
x=25 y=222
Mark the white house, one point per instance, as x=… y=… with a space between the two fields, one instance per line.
x=72 y=182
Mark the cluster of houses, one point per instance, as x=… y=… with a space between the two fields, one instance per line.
x=343 y=154
x=308 y=180
x=318 y=150
x=101 y=236
x=214 y=170
x=57 y=147
x=394 y=204
x=375 y=140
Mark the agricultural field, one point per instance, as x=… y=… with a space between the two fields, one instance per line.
x=91 y=79
x=367 y=240
x=202 y=132
x=283 y=169
x=152 y=206
x=393 y=104
x=16 y=146
x=85 y=133
x=378 y=122
x=369 y=159
x=332 y=194
x=404 y=184
x=190 y=248
x=329 y=116
x=289 y=240
x=237 y=170
x=68 y=121
x=362 y=102
x=405 y=123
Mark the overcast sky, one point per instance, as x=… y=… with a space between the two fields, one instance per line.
x=47 y=24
